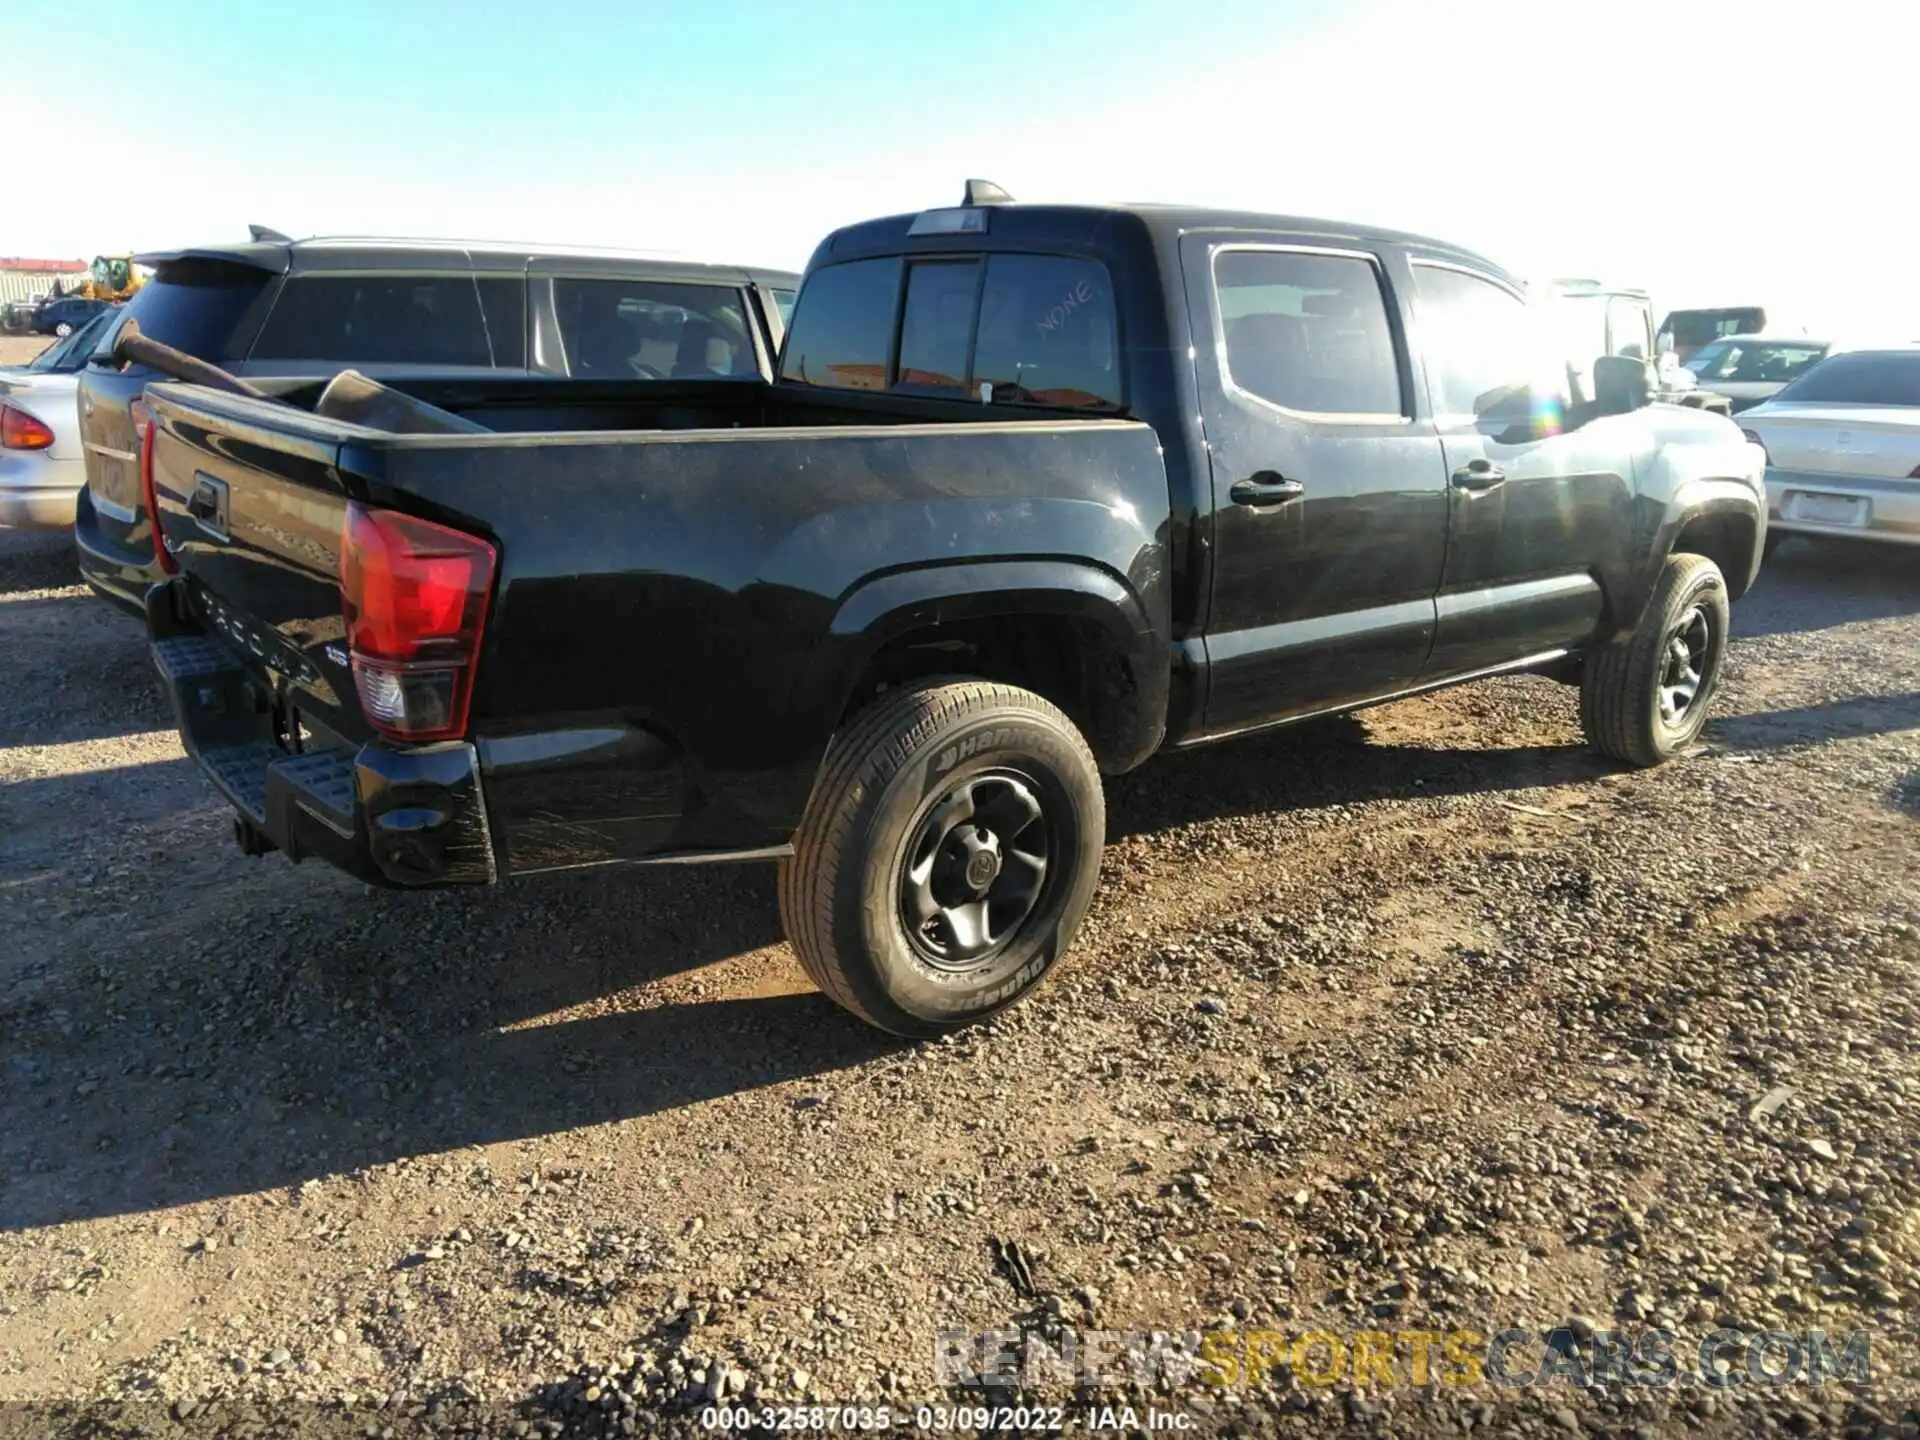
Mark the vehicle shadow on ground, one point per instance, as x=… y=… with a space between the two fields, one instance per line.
x=1843 y=584
x=283 y=1108
x=263 y=1061
x=1322 y=763
x=1811 y=724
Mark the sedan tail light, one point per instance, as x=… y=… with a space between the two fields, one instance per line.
x=21 y=431
x=1753 y=439
x=415 y=598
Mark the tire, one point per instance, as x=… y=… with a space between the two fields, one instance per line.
x=62 y=330
x=887 y=836
x=1623 y=708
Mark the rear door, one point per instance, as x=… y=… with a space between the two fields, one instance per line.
x=205 y=306
x=1329 y=493
x=1540 y=502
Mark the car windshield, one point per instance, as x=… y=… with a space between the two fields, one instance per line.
x=71 y=353
x=1863 y=378
x=1754 y=360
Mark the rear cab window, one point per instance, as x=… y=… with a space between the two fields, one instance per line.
x=1002 y=327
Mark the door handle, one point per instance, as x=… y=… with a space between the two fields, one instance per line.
x=1479 y=475
x=1264 y=488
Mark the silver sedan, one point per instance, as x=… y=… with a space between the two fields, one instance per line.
x=41 y=467
x=1843 y=448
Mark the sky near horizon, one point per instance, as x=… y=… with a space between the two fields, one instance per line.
x=1712 y=152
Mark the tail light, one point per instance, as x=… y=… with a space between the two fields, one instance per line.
x=144 y=427
x=21 y=431
x=415 y=596
x=1753 y=439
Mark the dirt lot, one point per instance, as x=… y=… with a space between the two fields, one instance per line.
x=1421 y=1020
x=18 y=349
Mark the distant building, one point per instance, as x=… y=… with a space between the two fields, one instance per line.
x=22 y=279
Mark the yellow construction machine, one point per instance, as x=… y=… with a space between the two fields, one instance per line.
x=112 y=277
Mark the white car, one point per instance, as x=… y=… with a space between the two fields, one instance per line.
x=41 y=464
x=1750 y=368
x=1843 y=448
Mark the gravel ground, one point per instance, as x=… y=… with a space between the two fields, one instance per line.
x=1418 y=1020
x=18 y=349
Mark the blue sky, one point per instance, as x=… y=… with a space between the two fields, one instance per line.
x=1714 y=152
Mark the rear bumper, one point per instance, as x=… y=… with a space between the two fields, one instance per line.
x=36 y=509
x=1881 y=509
x=36 y=491
x=110 y=569
x=404 y=818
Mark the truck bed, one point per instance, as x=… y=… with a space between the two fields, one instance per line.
x=689 y=581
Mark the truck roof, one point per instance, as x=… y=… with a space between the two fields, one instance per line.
x=334 y=252
x=1018 y=223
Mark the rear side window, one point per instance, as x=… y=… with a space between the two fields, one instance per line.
x=377 y=319
x=653 y=330
x=197 y=305
x=1309 y=332
x=843 y=328
x=503 y=303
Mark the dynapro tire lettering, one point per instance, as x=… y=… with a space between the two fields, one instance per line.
x=965 y=749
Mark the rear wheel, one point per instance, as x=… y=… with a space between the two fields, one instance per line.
x=948 y=855
x=1644 y=699
x=62 y=330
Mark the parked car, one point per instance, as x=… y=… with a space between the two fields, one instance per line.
x=1750 y=368
x=41 y=469
x=281 y=312
x=1842 y=442
x=62 y=317
x=1038 y=491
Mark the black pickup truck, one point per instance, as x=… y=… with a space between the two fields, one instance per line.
x=1036 y=492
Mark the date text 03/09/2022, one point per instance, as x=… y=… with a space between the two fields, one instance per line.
x=945 y=1419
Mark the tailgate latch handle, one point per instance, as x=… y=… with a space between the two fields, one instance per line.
x=208 y=506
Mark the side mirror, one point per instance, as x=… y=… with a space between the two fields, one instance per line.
x=1620 y=384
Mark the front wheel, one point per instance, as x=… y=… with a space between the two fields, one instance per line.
x=1644 y=699
x=62 y=330
x=947 y=856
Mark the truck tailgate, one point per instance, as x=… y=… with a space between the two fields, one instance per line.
x=251 y=639
x=253 y=513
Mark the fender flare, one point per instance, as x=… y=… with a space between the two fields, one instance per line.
x=1710 y=497
x=884 y=607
